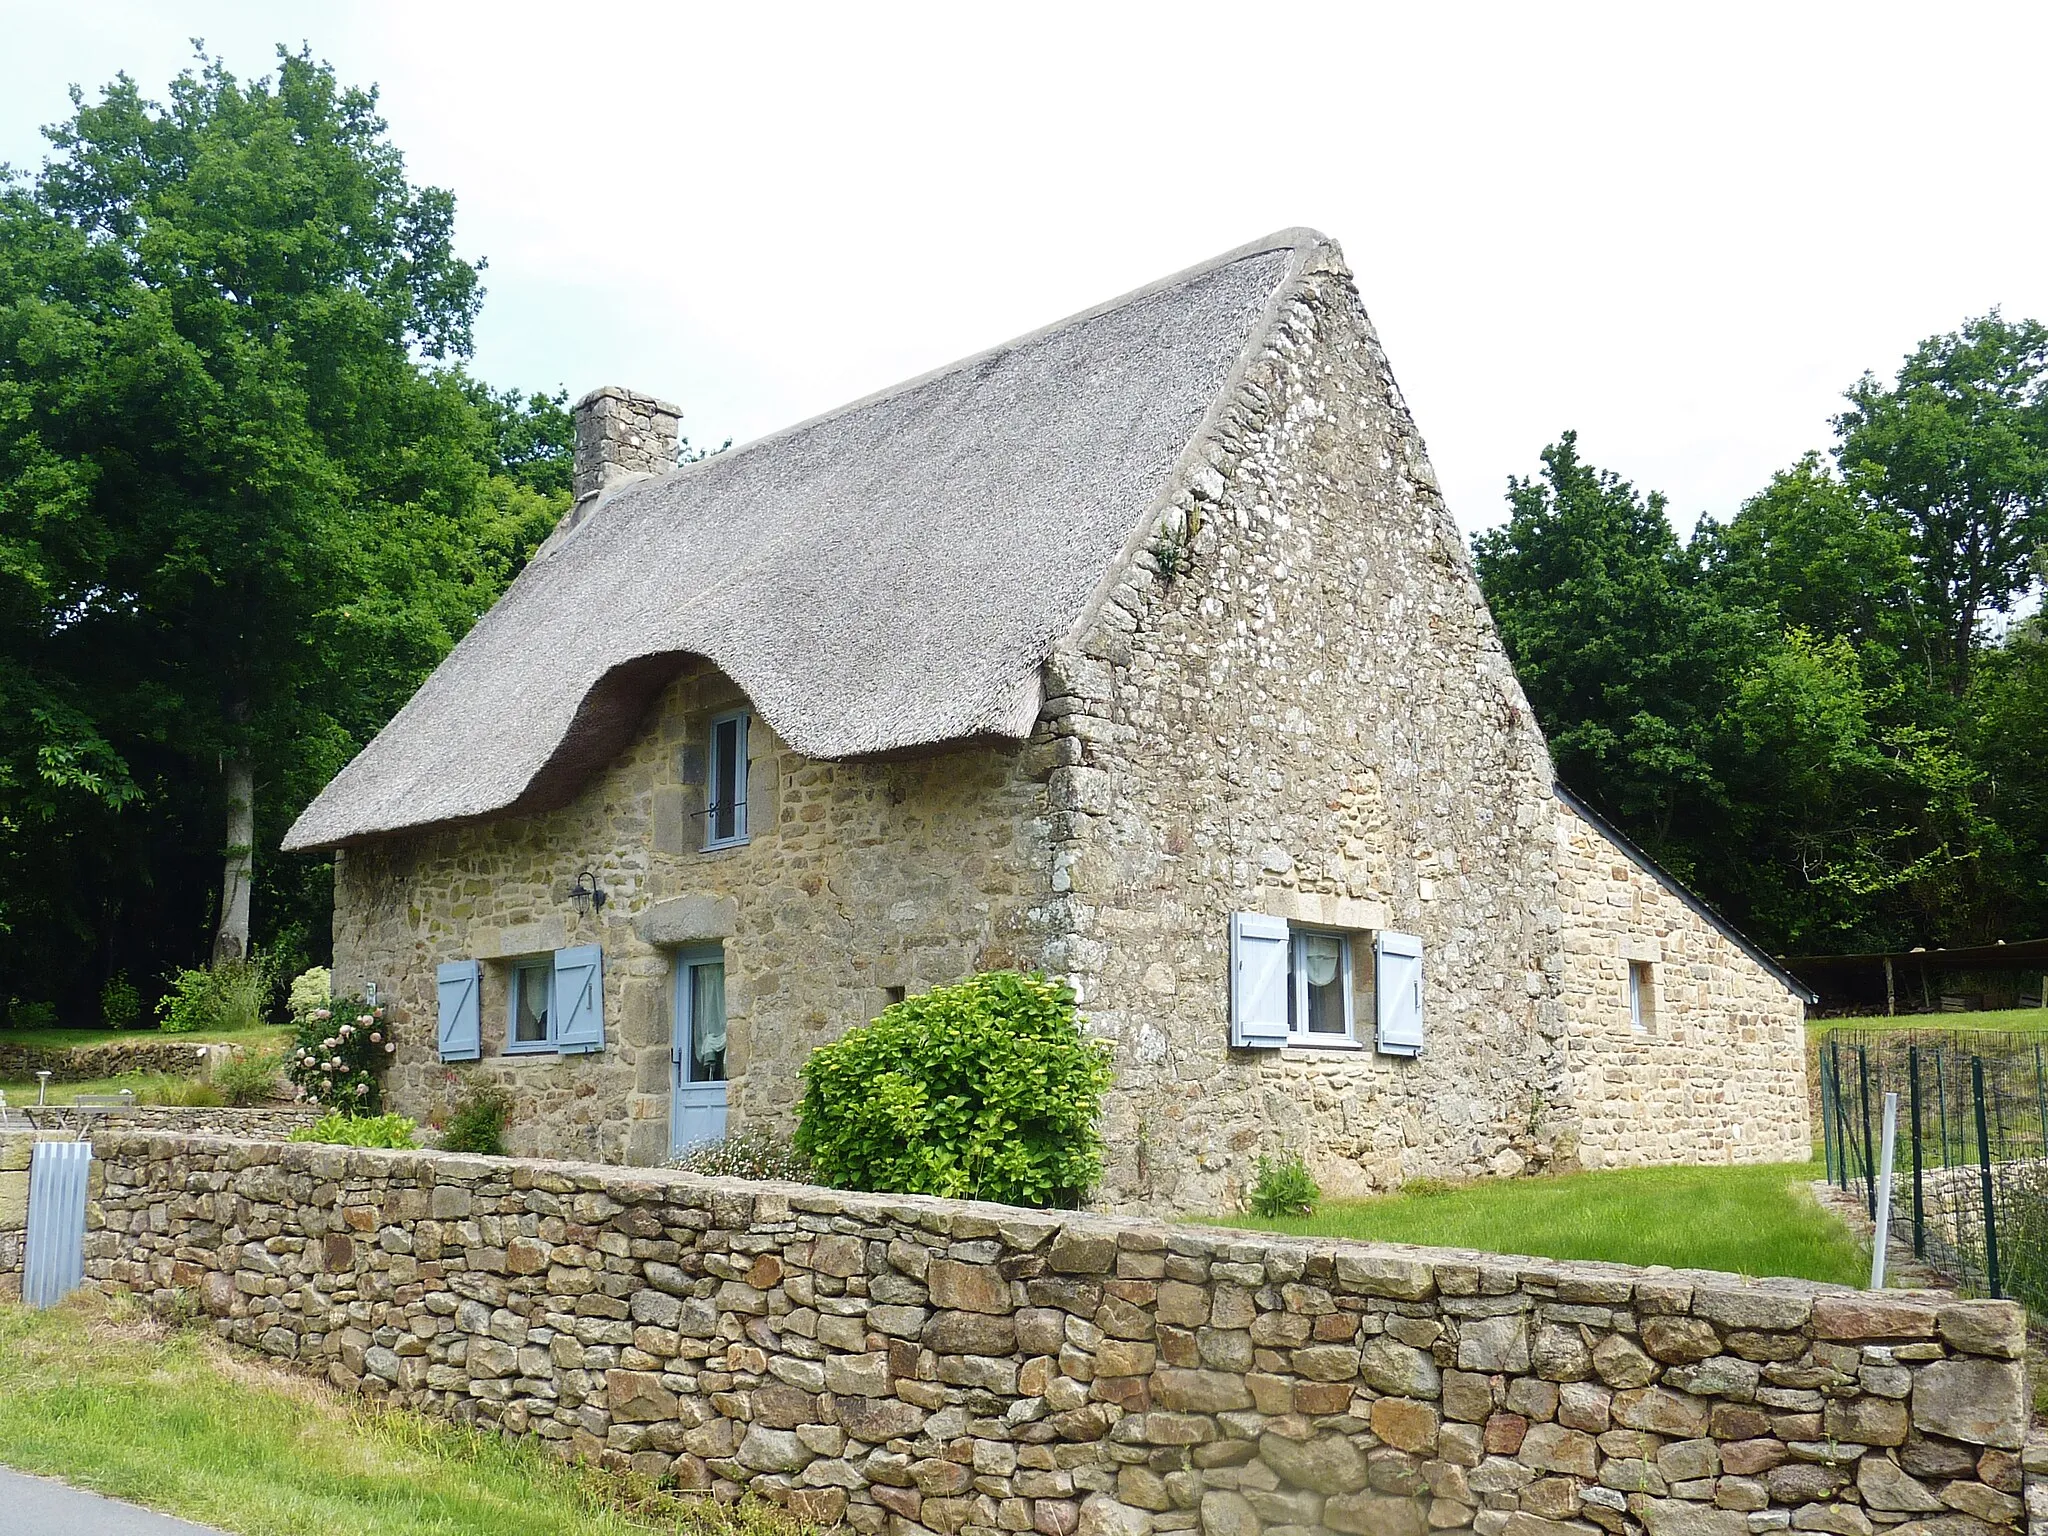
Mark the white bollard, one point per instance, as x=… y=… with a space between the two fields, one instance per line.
x=1884 y=1191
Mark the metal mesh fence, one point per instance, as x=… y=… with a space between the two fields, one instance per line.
x=1970 y=1166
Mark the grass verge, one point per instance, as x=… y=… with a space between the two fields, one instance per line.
x=1751 y=1220
x=100 y=1394
x=2019 y=1020
x=148 y=1088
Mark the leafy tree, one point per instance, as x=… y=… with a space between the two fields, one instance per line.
x=1808 y=553
x=1625 y=657
x=1956 y=448
x=248 y=499
x=1846 y=826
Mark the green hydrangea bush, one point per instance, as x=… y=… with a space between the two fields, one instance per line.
x=985 y=1090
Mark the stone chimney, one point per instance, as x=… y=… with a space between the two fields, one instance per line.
x=621 y=437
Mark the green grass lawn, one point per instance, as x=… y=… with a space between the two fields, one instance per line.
x=265 y=1036
x=2023 y=1020
x=100 y=1395
x=148 y=1088
x=1755 y=1220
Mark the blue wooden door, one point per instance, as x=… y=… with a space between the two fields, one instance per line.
x=697 y=1050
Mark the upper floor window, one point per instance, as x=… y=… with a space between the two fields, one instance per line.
x=725 y=808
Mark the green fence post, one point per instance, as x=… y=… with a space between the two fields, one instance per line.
x=1984 y=1177
x=1869 y=1162
x=1919 y=1208
x=1941 y=1104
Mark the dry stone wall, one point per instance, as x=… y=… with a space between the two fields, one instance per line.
x=88 y=1063
x=1716 y=1070
x=912 y=1365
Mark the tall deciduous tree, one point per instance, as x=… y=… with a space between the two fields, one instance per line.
x=1957 y=449
x=248 y=500
x=1625 y=658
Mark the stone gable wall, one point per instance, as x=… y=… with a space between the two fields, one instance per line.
x=912 y=1365
x=858 y=877
x=1297 y=704
x=1718 y=1072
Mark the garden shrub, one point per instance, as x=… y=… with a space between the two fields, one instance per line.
x=477 y=1122
x=392 y=1131
x=745 y=1155
x=120 y=1003
x=1285 y=1187
x=230 y=998
x=187 y=1007
x=180 y=1092
x=338 y=1054
x=985 y=1090
x=248 y=1077
x=23 y=1014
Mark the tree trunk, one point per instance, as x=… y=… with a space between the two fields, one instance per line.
x=231 y=938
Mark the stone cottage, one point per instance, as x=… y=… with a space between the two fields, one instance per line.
x=1140 y=649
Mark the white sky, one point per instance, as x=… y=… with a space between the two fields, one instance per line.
x=1682 y=230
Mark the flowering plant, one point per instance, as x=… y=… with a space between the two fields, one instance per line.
x=338 y=1054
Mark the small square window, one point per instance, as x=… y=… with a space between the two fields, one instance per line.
x=1642 y=998
x=531 y=1000
x=725 y=802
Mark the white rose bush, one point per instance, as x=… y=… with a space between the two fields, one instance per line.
x=340 y=1049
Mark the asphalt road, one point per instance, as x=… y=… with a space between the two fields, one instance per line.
x=38 y=1506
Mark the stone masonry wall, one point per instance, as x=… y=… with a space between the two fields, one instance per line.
x=87 y=1063
x=1717 y=1073
x=859 y=877
x=916 y=1365
x=1296 y=704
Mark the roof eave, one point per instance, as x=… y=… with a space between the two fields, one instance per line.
x=1676 y=887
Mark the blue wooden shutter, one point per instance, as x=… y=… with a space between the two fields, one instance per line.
x=1399 y=976
x=1258 y=980
x=578 y=1014
x=461 y=1032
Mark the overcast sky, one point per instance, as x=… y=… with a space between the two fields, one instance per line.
x=1683 y=230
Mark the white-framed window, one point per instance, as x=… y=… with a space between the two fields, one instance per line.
x=555 y=1003
x=1311 y=987
x=530 y=1005
x=1642 y=998
x=725 y=798
x=1320 y=988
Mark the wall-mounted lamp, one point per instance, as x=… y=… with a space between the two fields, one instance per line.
x=587 y=889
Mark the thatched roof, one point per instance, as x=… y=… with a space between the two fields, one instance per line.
x=890 y=575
